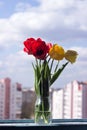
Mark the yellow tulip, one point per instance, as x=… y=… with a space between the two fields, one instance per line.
x=71 y=55
x=56 y=52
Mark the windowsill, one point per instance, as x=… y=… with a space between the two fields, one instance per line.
x=55 y=122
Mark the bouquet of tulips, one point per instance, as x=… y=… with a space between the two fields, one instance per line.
x=45 y=74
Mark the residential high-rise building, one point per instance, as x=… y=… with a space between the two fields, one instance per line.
x=28 y=95
x=5 y=85
x=57 y=103
x=15 y=101
x=28 y=103
x=70 y=101
x=10 y=99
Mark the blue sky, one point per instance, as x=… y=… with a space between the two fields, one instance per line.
x=7 y=8
x=62 y=22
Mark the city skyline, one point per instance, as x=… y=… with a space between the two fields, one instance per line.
x=67 y=103
x=70 y=102
x=32 y=87
x=61 y=22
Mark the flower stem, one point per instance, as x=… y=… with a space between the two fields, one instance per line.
x=51 y=65
x=56 y=67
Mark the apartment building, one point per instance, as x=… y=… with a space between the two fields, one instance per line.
x=15 y=101
x=71 y=101
x=28 y=103
x=10 y=99
x=57 y=103
x=4 y=98
x=28 y=94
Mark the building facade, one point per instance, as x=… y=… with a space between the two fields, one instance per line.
x=70 y=101
x=4 y=98
x=57 y=104
x=15 y=101
x=10 y=99
x=28 y=103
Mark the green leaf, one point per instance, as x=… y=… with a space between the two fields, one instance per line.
x=57 y=73
x=33 y=66
x=37 y=79
x=47 y=72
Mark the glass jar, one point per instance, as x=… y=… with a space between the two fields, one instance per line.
x=43 y=110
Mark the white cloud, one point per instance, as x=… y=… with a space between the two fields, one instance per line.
x=17 y=60
x=53 y=20
x=55 y=5
x=18 y=66
x=0 y=63
x=20 y=7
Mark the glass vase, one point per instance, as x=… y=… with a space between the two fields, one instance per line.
x=43 y=110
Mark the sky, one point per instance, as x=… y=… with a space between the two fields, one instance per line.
x=63 y=22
